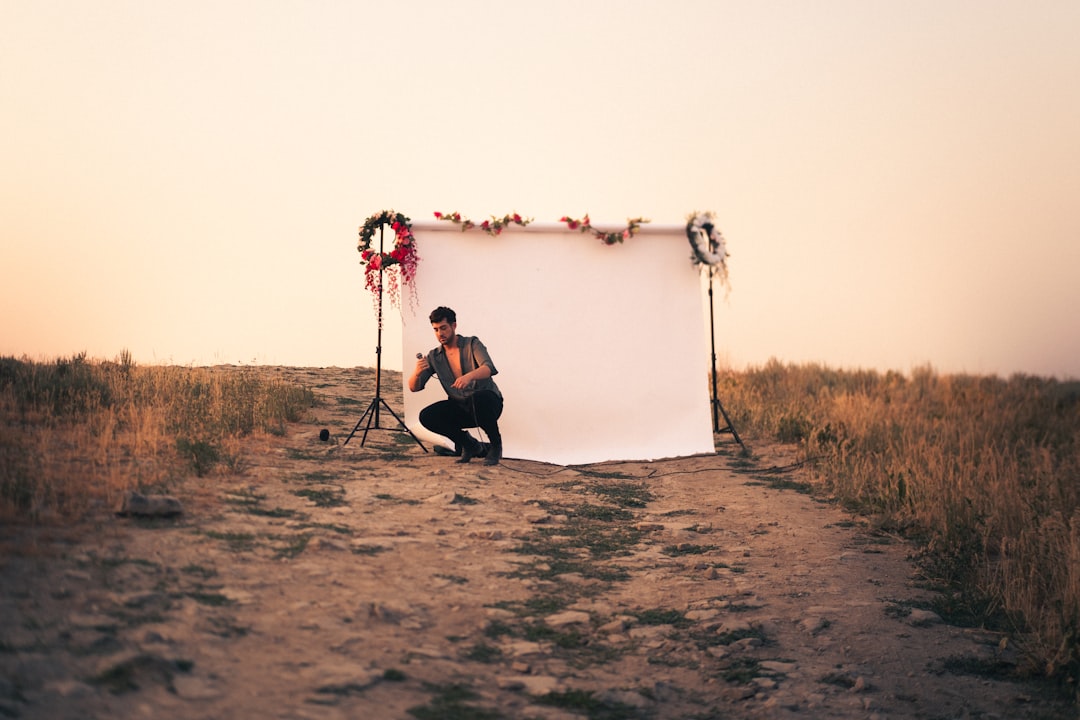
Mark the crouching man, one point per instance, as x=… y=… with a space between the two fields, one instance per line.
x=464 y=369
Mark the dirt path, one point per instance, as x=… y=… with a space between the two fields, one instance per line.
x=381 y=582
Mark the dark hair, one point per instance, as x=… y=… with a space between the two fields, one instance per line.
x=442 y=313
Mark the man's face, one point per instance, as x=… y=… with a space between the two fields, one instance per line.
x=445 y=331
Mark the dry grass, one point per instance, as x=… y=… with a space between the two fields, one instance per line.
x=984 y=472
x=76 y=433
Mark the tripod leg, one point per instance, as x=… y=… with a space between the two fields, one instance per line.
x=730 y=427
x=370 y=410
x=402 y=424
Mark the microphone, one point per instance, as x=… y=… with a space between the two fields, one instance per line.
x=419 y=356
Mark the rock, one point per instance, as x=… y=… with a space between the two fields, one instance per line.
x=486 y=534
x=777 y=667
x=70 y=689
x=813 y=624
x=195 y=688
x=539 y=684
x=138 y=505
x=321 y=543
x=628 y=698
x=650 y=632
x=513 y=683
x=524 y=647
x=133 y=670
x=93 y=622
x=648 y=526
x=569 y=617
x=923 y=618
x=615 y=626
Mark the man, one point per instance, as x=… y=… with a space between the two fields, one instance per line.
x=473 y=399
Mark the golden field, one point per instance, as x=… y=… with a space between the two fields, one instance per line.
x=982 y=472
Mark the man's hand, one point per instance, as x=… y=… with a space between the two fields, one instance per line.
x=462 y=382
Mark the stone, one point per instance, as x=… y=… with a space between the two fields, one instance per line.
x=813 y=624
x=778 y=667
x=629 y=698
x=923 y=618
x=138 y=505
x=569 y=617
x=196 y=688
x=321 y=543
x=539 y=684
x=70 y=689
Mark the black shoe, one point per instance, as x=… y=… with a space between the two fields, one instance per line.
x=494 y=454
x=447 y=452
x=469 y=450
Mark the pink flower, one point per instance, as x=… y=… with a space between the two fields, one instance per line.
x=438 y=215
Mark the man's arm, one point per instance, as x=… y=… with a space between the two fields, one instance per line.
x=481 y=373
x=420 y=375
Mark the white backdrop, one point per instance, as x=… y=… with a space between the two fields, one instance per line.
x=600 y=349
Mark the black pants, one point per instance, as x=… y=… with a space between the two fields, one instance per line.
x=451 y=417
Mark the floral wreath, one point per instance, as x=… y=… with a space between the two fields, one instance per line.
x=494 y=226
x=403 y=255
x=708 y=244
x=608 y=238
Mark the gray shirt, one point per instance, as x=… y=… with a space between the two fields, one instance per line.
x=473 y=355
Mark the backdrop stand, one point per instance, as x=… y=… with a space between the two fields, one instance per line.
x=717 y=407
x=372 y=412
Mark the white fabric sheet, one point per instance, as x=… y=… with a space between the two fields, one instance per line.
x=600 y=349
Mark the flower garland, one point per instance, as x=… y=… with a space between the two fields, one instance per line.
x=494 y=226
x=707 y=243
x=608 y=238
x=403 y=255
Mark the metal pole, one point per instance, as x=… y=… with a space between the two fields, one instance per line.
x=378 y=341
x=712 y=341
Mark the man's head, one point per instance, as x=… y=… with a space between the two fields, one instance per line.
x=444 y=323
x=442 y=313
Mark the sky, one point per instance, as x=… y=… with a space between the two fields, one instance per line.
x=897 y=182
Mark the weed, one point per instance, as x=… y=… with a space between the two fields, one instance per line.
x=200 y=571
x=201 y=454
x=211 y=599
x=662 y=617
x=237 y=541
x=455 y=579
x=483 y=653
x=326 y=497
x=585 y=701
x=294 y=545
x=392 y=499
x=450 y=703
x=687 y=549
x=129 y=427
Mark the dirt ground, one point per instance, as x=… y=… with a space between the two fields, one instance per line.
x=344 y=581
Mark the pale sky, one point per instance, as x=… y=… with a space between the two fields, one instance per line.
x=898 y=182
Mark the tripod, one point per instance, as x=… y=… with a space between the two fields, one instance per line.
x=372 y=412
x=717 y=407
